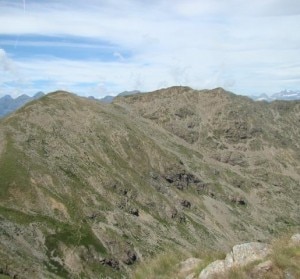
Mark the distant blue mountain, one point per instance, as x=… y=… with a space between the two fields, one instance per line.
x=9 y=104
x=108 y=99
x=287 y=95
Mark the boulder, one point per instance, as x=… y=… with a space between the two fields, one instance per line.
x=113 y=263
x=240 y=255
x=238 y=200
x=186 y=203
x=295 y=239
x=130 y=257
x=248 y=252
x=134 y=211
x=181 y=179
x=213 y=269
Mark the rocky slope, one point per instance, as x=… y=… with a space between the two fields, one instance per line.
x=88 y=188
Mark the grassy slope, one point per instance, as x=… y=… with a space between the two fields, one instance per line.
x=72 y=170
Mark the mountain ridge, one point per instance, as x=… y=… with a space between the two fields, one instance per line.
x=105 y=186
x=9 y=104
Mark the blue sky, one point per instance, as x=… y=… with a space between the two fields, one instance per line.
x=97 y=47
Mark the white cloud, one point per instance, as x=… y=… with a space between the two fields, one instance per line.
x=119 y=55
x=237 y=8
x=240 y=45
x=6 y=65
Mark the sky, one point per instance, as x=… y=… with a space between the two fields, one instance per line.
x=98 y=48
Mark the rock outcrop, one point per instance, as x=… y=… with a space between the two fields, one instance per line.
x=240 y=256
x=247 y=253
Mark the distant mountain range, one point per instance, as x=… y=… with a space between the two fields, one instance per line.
x=287 y=95
x=9 y=104
x=108 y=99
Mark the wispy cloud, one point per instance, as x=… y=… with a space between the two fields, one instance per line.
x=5 y=63
x=119 y=46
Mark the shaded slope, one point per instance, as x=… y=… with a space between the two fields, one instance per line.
x=252 y=148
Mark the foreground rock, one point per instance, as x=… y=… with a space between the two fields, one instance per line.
x=244 y=254
x=240 y=256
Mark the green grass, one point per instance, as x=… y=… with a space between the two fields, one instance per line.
x=234 y=273
x=163 y=266
x=67 y=233
x=71 y=236
x=23 y=218
x=74 y=236
x=12 y=170
x=56 y=268
x=286 y=256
